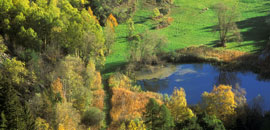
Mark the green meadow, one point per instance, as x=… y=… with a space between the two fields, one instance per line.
x=192 y=26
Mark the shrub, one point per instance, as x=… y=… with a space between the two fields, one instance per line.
x=92 y=117
x=145 y=50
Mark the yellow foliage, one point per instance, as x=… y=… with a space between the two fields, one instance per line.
x=93 y=79
x=67 y=117
x=42 y=124
x=136 y=126
x=178 y=106
x=61 y=127
x=220 y=102
x=13 y=70
x=119 y=81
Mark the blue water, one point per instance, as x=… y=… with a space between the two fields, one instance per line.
x=198 y=78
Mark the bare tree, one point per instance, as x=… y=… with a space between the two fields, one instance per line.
x=227 y=28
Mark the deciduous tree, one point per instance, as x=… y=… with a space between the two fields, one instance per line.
x=220 y=102
x=178 y=106
x=227 y=28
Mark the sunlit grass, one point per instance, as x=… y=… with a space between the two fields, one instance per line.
x=190 y=27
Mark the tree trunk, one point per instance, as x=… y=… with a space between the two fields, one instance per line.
x=223 y=43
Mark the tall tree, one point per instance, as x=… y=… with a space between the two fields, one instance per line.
x=152 y=115
x=178 y=106
x=227 y=28
x=166 y=118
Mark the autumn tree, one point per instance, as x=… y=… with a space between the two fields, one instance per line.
x=71 y=71
x=227 y=28
x=57 y=88
x=178 y=106
x=111 y=22
x=67 y=116
x=220 y=102
x=42 y=124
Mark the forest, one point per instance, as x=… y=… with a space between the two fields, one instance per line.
x=134 y=64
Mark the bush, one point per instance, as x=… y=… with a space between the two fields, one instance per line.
x=145 y=50
x=92 y=117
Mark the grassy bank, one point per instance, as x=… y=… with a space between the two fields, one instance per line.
x=229 y=60
x=191 y=27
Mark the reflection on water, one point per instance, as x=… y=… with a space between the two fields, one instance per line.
x=155 y=85
x=197 y=78
x=228 y=78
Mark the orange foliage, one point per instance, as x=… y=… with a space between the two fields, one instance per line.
x=127 y=105
x=90 y=11
x=98 y=98
x=98 y=80
x=170 y=20
x=57 y=87
x=111 y=21
x=92 y=14
x=207 y=52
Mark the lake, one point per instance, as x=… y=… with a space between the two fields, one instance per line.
x=197 y=78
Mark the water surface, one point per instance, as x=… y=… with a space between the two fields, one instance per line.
x=197 y=78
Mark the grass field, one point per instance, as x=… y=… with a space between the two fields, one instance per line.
x=190 y=27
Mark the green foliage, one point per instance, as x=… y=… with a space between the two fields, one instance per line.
x=109 y=39
x=201 y=122
x=210 y=122
x=28 y=118
x=71 y=72
x=3 y=121
x=42 y=124
x=166 y=118
x=11 y=108
x=11 y=70
x=190 y=28
x=157 y=117
x=145 y=49
x=92 y=117
x=227 y=16
x=122 y=9
x=62 y=24
x=156 y=12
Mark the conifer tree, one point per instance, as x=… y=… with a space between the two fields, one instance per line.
x=28 y=118
x=151 y=116
x=166 y=118
x=12 y=108
x=158 y=117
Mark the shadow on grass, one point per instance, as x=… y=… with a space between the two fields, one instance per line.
x=114 y=66
x=255 y=32
x=142 y=19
